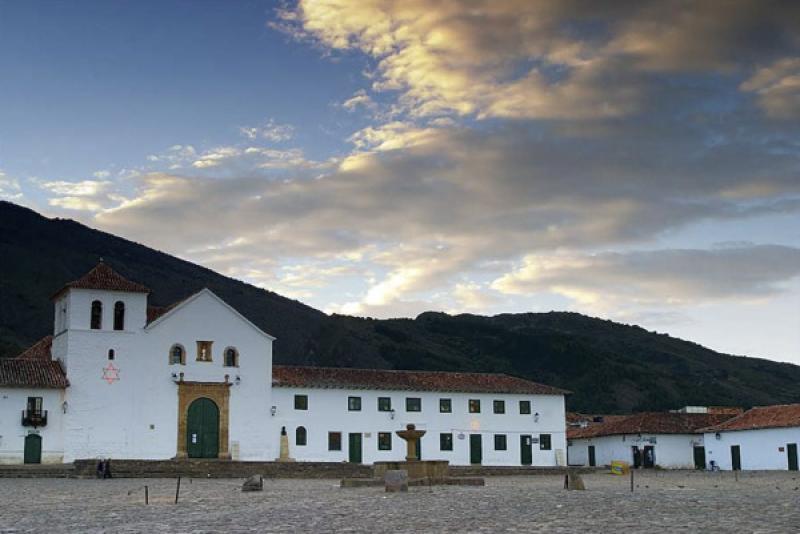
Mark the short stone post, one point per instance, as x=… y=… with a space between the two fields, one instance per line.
x=396 y=480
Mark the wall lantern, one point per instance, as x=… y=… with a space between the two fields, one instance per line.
x=391 y=413
x=64 y=406
x=238 y=380
x=273 y=410
x=718 y=435
x=536 y=417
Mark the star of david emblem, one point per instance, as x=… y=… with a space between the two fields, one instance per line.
x=110 y=373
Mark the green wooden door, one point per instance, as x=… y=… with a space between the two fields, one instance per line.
x=592 y=459
x=33 y=449
x=202 y=429
x=791 y=452
x=525 y=449
x=354 y=448
x=700 y=458
x=736 y=458
x=475 y=449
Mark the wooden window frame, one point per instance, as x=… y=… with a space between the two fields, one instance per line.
x=301 y=401
x=445 y=405
x=334 y=441
x=388 y=404
x=96 y=316
x=474 y=405
x=119 y=316
x=545 y=446
x=201 y=345
x=525 y=411
x=183 y=354
x=235 y=357
x=410 y=403
x=383 y=444
x=299 y=432
x=353 y=404
x=446 y=441
x=500 y=442
x=498 y=406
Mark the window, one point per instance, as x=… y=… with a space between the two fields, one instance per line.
x=97 y=315
x=119 y=315
x=300 y=436
x=231 y=357
x=301 y=402
x=110 y=354
x=413 y=404
x=384 y=404
x=445 y=442
x=499 y=442
x=177 y=355
x=525 y=407
x=544 y=442
x=354 y=404
x=474 y=406
x=384 y=441
x=499 y=406
x=334 y=441
x=204 y=351
x=445 y=405
x=35 y=405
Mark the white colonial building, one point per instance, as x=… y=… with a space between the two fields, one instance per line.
x=664 y=439
x=763 y=438
x=121 y=379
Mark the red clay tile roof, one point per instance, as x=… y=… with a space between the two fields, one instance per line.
x=344 y=378
x=28 y=373
x=778 y=416
x=649 y=423
x=103 y=277
x=39 y=350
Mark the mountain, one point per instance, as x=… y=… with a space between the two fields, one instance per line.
x=610 y=367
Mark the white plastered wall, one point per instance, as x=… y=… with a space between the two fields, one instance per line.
x=328 y=412
x=759 y=449
x=12 y=434
x=672 y=451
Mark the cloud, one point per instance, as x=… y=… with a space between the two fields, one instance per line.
x=270 y=130
x=422 y=206
x=556 y=59
x=777 y=87
x=656 y=277
x=85 y=195
x=9 y=187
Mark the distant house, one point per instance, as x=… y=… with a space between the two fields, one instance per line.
x=664 y=439
x=765 y=437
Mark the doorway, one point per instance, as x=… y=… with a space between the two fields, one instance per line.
x=637 y=457
x=202 y=429
x=592 y=460
x=736 y=458
x=354 y=448
x=649 y=457
x=33 y=449
x=791 y=453
x=475 y=449
x=525 y=449
x=699 y=457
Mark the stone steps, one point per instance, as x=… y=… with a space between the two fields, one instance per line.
x=223 y=469
x=37 y=471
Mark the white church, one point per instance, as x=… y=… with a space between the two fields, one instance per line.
x=121 y=380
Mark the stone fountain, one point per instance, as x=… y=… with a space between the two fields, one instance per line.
x=432 y=471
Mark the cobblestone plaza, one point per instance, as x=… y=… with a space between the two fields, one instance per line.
x=661 y=502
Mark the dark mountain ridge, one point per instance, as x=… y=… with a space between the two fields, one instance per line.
x=610 y=367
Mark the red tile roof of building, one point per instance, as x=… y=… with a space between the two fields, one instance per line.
x=38 y=351
x=106 y=278
x=31 y=373
x=649 y=423
x=777 y=416
x=345 y=378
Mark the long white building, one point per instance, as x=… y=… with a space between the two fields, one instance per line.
x=763 y=438
x=120 y=379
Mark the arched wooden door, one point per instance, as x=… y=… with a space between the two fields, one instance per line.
x=33 y=449
x=202 y=429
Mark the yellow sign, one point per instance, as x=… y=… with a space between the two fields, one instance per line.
x=618 y=467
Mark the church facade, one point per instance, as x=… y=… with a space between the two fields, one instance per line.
x=120 y=379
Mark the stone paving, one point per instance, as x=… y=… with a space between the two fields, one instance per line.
x=662 y=502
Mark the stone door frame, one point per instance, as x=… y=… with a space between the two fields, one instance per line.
x=220 y=393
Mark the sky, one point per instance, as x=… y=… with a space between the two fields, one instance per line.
x=636 y=161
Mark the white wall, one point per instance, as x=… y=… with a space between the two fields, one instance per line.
x=12 y=434
x=327 y=412
x=672 y=451
x=137 y=416
x=759 y=449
